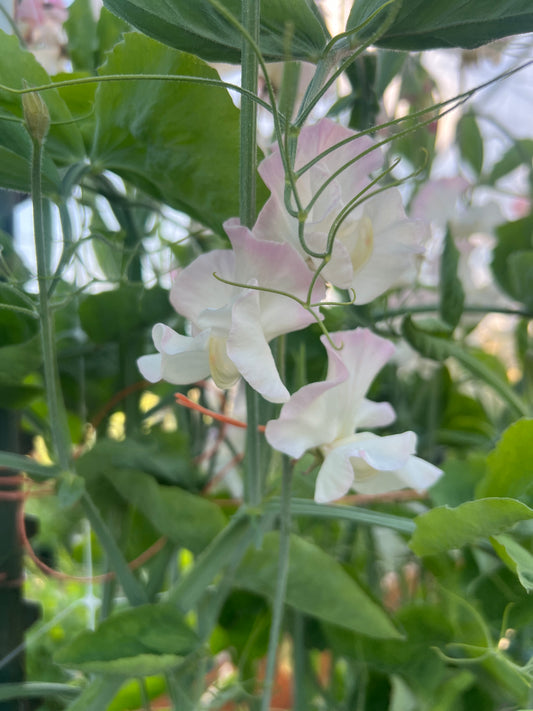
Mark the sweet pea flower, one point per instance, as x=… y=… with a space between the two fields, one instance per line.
x=376 y=246
x=231 y=325
x=326 y=415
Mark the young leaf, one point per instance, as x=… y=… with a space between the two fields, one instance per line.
x=452 y=295
x=510 y=464
x=317 y=585
x=443 y=528
x=427 y=24
x=200 y=28
x=135 y=642
x=520 y=153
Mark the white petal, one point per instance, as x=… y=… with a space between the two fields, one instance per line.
x=247 y=347
x=150 y=367
x=181 y=359
x=334 y=478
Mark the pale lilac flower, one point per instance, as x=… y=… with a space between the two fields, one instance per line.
x=376 y=246
x=326 y=415
x=232 y=326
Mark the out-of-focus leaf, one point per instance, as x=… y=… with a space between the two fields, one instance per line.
x=443 y=528
x=427 y=24
x=516 y=557
x=137 y=642
x=459 y=481
x=470 y=142
x=164 y=136
x=452 y=295
x=81 y=31
x=199 y=28
x=317 y=585
x=189 y=520
x=520 y=153
x=515 y=238
x=114 y=315
x=20 y=349
x=510 y=464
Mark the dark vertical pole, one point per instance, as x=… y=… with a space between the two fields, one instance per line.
x=15 y=614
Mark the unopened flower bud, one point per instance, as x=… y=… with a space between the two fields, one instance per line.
x=36 y=115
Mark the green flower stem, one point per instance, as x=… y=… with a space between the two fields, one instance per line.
x=281 y=582
x=56 y=408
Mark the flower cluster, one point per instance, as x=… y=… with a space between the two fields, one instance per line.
x=267 y=285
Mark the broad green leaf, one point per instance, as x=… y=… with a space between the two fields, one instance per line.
x=134 y=642
x=164 y=136
x=63 y=142
x=317 y=585
x=443 y=528
x=459 y=481
x=427 y=24
x=199 y=28
x=189 y=520
x=82 y=40
x=510 y=464
x=520 y=153
x=439 y=348
x=452 y=295
x=470 y=142
x=514 y=238
x=516 y=557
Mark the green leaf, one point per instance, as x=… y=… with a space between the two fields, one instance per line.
x=189 y=520
x=134 y=642
x=317 y=585
x=97 y=695
x=164 y=136
x=516 y=557
x=199 y=28
x=63 y=142
x=82 y=40
x=19 y=462
x=443 y=528
x=510 y=464
x=36 y=689
x=427 y=24
x=452 y=295
x=520 y=153
x=114 y=315
x=439 y=348
x=514 y=238
x=470 y=142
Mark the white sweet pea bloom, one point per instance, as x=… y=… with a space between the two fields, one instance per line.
x=376 y=246
x=232 y=326
x=326 y=415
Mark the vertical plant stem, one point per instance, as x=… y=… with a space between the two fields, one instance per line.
x=56 y=410
x=247 y=207
x=281 y=583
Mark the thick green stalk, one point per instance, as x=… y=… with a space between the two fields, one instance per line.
x=281 y=583
x=56 y=408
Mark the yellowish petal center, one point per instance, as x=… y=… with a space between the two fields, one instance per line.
x=223 y=370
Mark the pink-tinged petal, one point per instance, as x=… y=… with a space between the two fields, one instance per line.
x=274 y=266
x=384 y=453
x=307 y=421
x=335 y=477
x=195 y=289
x=436 y=199
x=248 y=348
x=360 y=357
x=181 y=359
